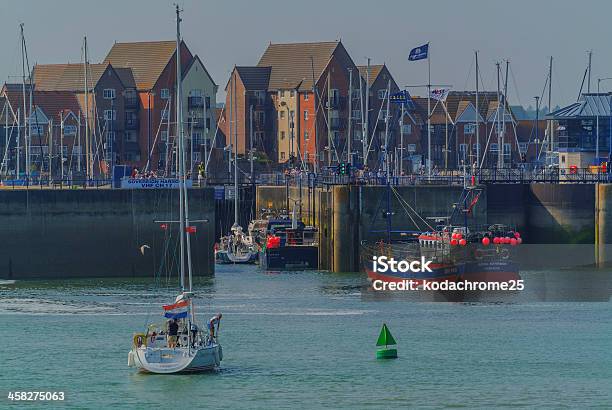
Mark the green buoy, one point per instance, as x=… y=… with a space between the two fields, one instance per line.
x=385 y=339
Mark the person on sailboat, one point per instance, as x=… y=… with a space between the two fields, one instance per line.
x=214 y=321
x=172 y=333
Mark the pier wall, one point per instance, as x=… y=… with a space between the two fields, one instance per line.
x=559 y=218
x=97 y=233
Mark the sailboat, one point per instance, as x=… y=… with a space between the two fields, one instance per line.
x=183 y=346
x=238 y=246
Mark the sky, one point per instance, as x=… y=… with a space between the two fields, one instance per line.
x=236 y=32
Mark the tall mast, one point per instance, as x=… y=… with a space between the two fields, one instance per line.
x=550 y=126
x=180 y=148
x=387 y=132
x=428 y=112
x=477 y=115
x=589 y=78
x=235 y=156
x=504 y=110
x=88 y=164
x=251 y=140
x=350 y=116
x=25 y=109
x=366 y=119
x=499 y=157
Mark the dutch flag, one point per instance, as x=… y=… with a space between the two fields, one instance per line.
x=177 y=310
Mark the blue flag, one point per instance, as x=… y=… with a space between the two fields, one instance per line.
x=419 y=53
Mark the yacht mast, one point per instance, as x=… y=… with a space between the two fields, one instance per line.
x=179 y=135
x=236 y=196
x=25 y=110
x=87 y=141
x=477 y=115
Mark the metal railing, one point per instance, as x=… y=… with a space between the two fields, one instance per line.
x=55 y=183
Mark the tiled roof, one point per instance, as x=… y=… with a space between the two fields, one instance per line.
x=456 y=102
x=66 y=77
x=294 y=65
x=374 y=72
x=590 y=105
x=50 y=102
x=146 y=59
x=255 y=78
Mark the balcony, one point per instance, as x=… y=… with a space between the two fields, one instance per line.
x=131 y=123
x=197 y=122
x=336 y=103
x=131 y=102
x=195 y=102
x=336 y=123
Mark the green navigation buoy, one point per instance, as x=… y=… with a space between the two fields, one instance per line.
x=385 y=339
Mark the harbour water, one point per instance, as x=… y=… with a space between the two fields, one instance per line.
x=306 y=340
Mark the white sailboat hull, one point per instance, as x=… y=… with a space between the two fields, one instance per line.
x=223 y=256
x=164 y=360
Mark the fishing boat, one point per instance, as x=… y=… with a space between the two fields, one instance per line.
x=290 y=245
x=182 y=346
x=464 y=252
x=237 y=246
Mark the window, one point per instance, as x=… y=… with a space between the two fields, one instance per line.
x=282 y=155
x=165 y=93
x=469 y=128
x=70 y=130
x=110 y=115
x=357 y=134
x=306 y=135
x=357 y=114
x=306 y=157
x=130 y=136
x=494 y=147
x=260 y=96
x=292 y=93
x=411 y=148
x=76 y=150
x=111 y=135
x=207 y=102
x=196 y=138
x=382 y=94
x=356 y=94
x=259 y=135
x=282 y=135
x=37 y=130
x=260 y=117
x=407 y=129
x=165 y=114
x=305 y=115
x=109 y=93
x=507 y=149
x=195 y=92
x=163 y=136
x=334 y=97
x=476 y=147
x=282 y=114
x=306 y=96
x=462 y=150
x=523 y=147
x=207 y=123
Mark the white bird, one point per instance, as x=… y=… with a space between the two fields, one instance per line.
x=143 y=247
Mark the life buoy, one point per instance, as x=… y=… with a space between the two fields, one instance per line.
x=139 y=339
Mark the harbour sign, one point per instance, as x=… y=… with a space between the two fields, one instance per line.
x=153 y=183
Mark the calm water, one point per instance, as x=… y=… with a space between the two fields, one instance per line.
x=307 y=340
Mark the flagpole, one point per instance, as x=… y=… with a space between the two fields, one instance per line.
x=428 y=111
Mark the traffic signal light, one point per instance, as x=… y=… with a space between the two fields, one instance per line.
x=344 y=168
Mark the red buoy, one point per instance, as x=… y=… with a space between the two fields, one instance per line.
x=519 y=240
x=462 y=242
x=453 y=242
x=507 y=240
x=513 y=242
x=496 y=240
x=486 y=241
x=517 y=235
